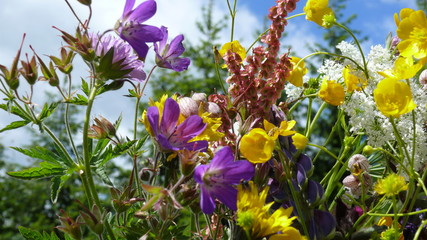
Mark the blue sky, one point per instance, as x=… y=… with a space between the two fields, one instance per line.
x=36 y=18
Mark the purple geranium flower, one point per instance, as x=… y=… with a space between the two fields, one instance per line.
x=117 y=60
x=131 y=29
x=216 y=179
x=167 y=55
x=171 y=137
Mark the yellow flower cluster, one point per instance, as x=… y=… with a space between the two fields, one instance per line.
x=353 y=82
x=255 y=217
x=391 y=185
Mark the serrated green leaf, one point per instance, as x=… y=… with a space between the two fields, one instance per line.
x=46 y=169
x=14 y=125
x=100 y=171
x=57 y=184
x=16 y=111
x=78 y=100
x=52 y=236
x=85 y=87
x=30 y=234
x=45 y=155
x=48 y=110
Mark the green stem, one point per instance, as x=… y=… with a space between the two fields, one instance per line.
x=57 y=142
x=233 y=16
x=316 y=117
x=93 y=197
x=67 y=123
x=325 y=150
x=420 y=228
x=365 y=66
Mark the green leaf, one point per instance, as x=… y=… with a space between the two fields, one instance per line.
x=14 y=125
x=57 y=184
x=48 y=110
x=52 y=236
x=16 y=111
x=46 y=169
x=78 y=100
x=85 y=87
x=45 y=155
x=104 y=153
x=30 y=234
x=100 y=171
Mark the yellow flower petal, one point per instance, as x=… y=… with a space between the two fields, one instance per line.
x=257 y=146
x=332 y=92
x=393 y=98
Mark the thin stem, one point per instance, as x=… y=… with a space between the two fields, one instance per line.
x=233 y=16
x=316 y=117
x=57 y=142
x=325 y=150
x=74 y=13
x=365 y=67
x=67 y=123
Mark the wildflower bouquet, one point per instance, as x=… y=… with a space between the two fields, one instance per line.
x=240 y=164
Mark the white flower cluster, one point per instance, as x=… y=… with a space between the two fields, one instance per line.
x=360 y=106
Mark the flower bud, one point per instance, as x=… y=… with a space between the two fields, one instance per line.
x=423 y=78
x=85 y=2
x=188 y=106
x=101 y=129
x=358 y=164
x=29 y=70
x=368 y=150
x=214 y=109
x=199 y=97
x=69 y=226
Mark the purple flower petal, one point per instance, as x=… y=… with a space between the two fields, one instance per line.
x=200 y=146
x=141 y=48
x=162 y=43
x=176 y=48
x=207 y=203
x=199 y=171
x=222 y=158
x=128 y=7
x=170 y=116
x=179 y=64
x=143 y=12
x=142 y=32
x=227 y=195
x=191 y=127
x=153 y=118
x=237 y=171
x=165 y=144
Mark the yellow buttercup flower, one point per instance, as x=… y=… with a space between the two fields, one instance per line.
x=412 y=30
x=391 y=185
x=235 y=47
x=255 y=217
x=404 y=13
x=332 y=92
x=298 y=72
x=257 y=146
x=404 y=68
x=353 y=82
x=318 y=11
x=393 y=97
x=299 y=141
x=285 y=128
